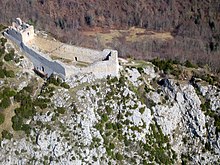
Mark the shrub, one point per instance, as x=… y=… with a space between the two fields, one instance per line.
x=208 y=146
x=2 y=73
x=9 y=73
x=26 y=128
x=108 y=109
x=7 y=92
x=2 y=40
x=165 y=65
x=189 y=64
x=65 y=85
x=141 y=110
x=119 y=156
x=28 y=88
x=6 y=135
x=9 y=56
x=52 y=80
x=108 y=125
x=99 y=126
x=26 y=110
x=94 y=87
x=5 y=103
x=111 y=146
x=61 y=110
x=17 y=123
x=2 y=118
x=104 y=118
x=42 y=103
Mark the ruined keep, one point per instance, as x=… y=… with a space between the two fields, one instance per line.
x=50 y=56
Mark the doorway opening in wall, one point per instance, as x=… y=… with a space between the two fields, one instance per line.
x=76 y=59
x=42 y=68
x=28 y=34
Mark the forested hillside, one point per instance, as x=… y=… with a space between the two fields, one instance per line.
x=194 y=25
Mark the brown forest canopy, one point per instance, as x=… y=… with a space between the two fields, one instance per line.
x=195 y=24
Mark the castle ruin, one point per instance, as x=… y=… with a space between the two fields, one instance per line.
x=50 y=56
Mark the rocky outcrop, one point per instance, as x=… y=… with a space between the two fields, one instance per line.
x=138 y=118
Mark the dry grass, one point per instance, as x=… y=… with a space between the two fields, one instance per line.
x=8 y=113
x=103 y=38
x=132 y=34
x=139 y=34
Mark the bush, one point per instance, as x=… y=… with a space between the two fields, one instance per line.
x=2 y=118
x=104 y=118
x=108 y=125
x=208 y=146
x=28 y=89
x=26 y=110
x=53 y=80
x=6 y=135
x=9 y=73
x=7 y=92
x=42 y=103
x=165 y=65
x=188 y=64
x=141 y=110
x=61 y=110
x=111 y=146
x=9 y=56
x=5 y=103
x=108 y=109
x=3 y=40
x=26 y=128
x=119 y=156
x=17 y=123
x=65 y=85
x=2 y=73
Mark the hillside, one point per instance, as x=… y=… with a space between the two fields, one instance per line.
x=158 y=112
x=194 y=25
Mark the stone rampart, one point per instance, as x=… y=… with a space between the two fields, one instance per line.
x=80 y=54
x=43 y=63
x=100 y=63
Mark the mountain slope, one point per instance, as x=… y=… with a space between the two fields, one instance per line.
x=161 y=114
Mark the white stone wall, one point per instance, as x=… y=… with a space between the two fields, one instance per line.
x=44 y=63
x=28 y=34
x=80 y=54
x=14 y=34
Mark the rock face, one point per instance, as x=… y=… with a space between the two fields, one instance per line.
x=136 y=119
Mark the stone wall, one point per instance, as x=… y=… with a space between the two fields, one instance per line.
x=44 y=63
x=28 y=34
x=79 y=54
x=13 y=35
x=100 y=63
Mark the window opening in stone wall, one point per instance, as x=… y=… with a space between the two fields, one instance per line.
x=42 y=68
x=75 y=58
x=107 y=57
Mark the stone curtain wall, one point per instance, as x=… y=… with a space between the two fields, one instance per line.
x=81 y=54
x=39 y=60
x=13 y=35
x=95 y=58
x=103 y=68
